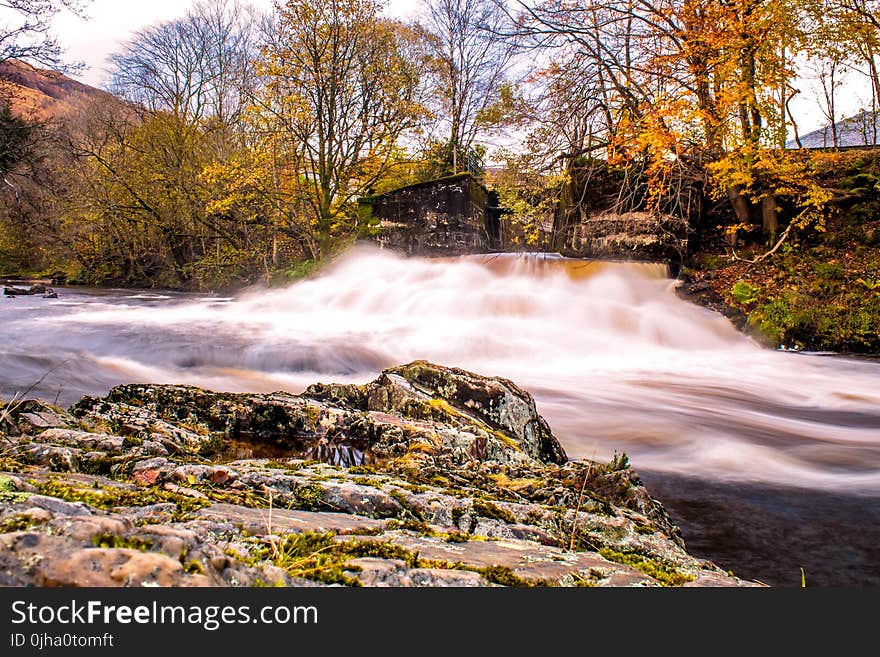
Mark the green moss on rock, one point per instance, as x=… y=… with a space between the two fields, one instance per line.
x=111 y=497
x=117 y=541
x=664 y=573
x=488 y=509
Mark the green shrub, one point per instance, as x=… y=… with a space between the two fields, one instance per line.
x=828 y=271
x=744 y=293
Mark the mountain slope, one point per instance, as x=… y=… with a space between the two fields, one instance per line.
x=42 y=95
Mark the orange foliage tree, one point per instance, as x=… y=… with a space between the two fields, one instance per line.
x=695 y=88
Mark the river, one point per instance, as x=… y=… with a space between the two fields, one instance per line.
x=769 y=461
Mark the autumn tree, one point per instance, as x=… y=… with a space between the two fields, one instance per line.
x=25 y=148
x=473 y=51
x=691 y=86
x=188 y=82
x=341 y=93
x=133 y=214
x=26 y=34
x=845 y=38
x=19 y=138
x=196 y=67
x=260 y=185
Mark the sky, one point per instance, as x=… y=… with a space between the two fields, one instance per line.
x=112 y=22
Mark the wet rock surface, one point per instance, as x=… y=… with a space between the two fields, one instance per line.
x=631 y=235
x=428 y=476
x=701 y=292
x=38 y=289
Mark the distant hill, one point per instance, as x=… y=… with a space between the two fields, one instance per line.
x=42 y=95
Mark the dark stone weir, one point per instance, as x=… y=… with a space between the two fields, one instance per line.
x=449 y=216
x=458 y=215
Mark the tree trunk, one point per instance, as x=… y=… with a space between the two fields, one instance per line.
x=741 y=209
x=567 y=211
x=770 y=215
x=740 y=204
x=875 y=92
x=731 y=236
x=873 y=73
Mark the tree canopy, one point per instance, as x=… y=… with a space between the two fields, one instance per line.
x=246 y=138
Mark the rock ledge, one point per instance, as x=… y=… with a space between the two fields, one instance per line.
x=427 y=476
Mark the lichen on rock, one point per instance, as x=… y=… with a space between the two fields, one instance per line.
x=427 y=476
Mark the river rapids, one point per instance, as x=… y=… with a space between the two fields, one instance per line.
x=615 y=360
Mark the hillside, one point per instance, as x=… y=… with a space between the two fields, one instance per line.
x=43 y=95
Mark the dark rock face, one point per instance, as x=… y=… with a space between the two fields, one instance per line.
x=36 y=289
x=703 y=294
x=601 y=215
x=462 y=484
x=449 y=216
x=452 y=415
x=629 y=236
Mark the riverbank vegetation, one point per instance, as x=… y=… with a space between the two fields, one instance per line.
x=820 y=290
x=236 y=143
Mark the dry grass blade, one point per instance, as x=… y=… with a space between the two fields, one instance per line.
x=577 y=511
x=19 y=398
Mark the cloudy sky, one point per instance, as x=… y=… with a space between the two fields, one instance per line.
x=111 y=22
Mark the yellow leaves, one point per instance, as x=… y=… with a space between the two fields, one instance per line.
x=758 y=172
x=248 y=184
x=342 y=88
x=530 y=196
x=871 y=284
x=730 y=171
x=509 y=108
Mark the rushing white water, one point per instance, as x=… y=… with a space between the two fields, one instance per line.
x=616 y=361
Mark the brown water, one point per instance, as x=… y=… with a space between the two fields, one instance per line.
x=616 y=361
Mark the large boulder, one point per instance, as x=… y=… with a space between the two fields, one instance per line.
x=459 y=482
x=418 y=410
x=494 y=402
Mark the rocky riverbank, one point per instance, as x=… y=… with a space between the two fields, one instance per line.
x=427 y=476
